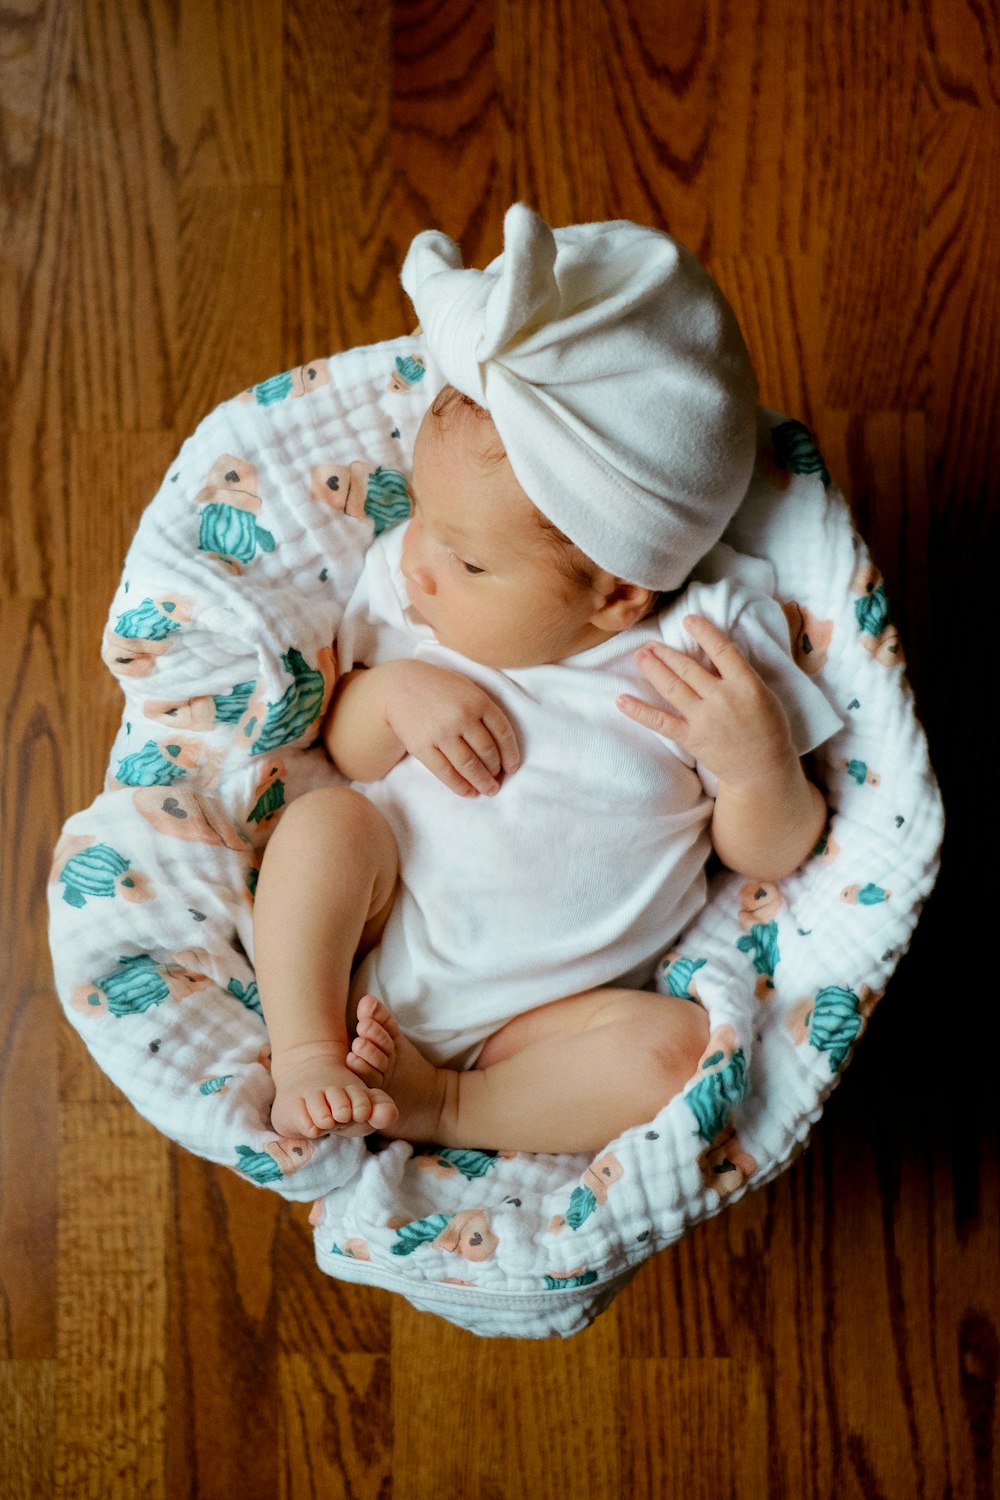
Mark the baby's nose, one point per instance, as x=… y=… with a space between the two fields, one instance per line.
x=423 y=579
x=413 y=569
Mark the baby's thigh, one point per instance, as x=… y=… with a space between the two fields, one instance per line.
x=681 y=1022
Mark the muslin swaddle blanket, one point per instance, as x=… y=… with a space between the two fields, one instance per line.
x=222 y=636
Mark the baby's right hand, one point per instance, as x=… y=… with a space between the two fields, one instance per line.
x=451 y=726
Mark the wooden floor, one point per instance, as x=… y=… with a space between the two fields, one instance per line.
x=198 y=193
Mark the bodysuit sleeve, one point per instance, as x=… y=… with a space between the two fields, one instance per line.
x=757 y=625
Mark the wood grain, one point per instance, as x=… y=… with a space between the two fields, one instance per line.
x=221 y=1345
x=27 y=1426
x=516 y=1417
x=124 y=243
x=340 y=253
x=36 y=226
x=111 y=1302
x=195 y=194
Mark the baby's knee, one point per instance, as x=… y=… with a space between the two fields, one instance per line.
x=338 y=813
x=676 y=1048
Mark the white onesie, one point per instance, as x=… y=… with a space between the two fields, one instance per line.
x=589 y=860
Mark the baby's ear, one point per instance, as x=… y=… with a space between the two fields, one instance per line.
x=624 y=606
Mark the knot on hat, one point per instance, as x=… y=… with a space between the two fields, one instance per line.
x=616 y=375
x=471 y=317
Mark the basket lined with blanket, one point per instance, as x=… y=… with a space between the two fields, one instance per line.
x=222 y=635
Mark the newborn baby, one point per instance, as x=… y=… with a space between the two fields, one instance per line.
x=457 y=954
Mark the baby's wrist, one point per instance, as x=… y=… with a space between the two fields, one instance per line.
x=780 y=773
x=392 y=680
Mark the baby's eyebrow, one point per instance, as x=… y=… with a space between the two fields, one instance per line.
x=455 y=531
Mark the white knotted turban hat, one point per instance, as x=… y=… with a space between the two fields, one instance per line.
x=617 y=377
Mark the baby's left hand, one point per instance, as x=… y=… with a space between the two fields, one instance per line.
x=725 y=716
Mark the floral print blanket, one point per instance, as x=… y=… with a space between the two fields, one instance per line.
x=222 y=635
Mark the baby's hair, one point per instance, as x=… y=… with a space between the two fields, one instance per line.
x=448 y=398
x=575 y=565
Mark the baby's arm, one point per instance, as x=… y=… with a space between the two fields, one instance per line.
x=445 y=720
x=768 y=815
x=356 y=732
x=767 y=827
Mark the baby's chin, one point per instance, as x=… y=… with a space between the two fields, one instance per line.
x=475 y=651
x=501 y=656
x=496 y=658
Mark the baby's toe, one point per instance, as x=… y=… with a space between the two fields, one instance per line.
x=368 y=1074
x=360 y=1101
x=384 y=1111
x=318 y=1111
x=369 y=1051
x=375 y=1013
x=371 y=1031
x=295 y=1119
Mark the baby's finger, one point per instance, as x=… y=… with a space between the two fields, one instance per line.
x=483 y=743
x=670 y=679
x=468 y=764
x=440 y=766
x=502 y=730
x=669 y=725
x=721 y=651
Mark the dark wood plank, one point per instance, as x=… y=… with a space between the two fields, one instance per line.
x=222 y=1357
x=778 y=301
x=690 y=1431
x=331 y=1317
x=32 y=771
x=341 y=250
x=521 y=1416
x=762 y=143
x=960 y=46
x=652 y=109
x=862 y=75
x=27 y=1427
x=444 y=124
x=37 y=231
x=124 y=261
x=549 y=65
x=678 y=1308
x=231 y=76
x=336 y=1426
x=335 y=1375
x=229 y=322
x=114 y=1222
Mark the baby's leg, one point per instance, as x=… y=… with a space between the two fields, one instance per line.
x=326 y=887
x=570 y=1076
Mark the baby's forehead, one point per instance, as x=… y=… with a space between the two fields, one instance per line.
x=473 y=489
x=461 y=462
x=454 y=420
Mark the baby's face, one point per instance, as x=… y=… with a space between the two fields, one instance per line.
x=478 y=566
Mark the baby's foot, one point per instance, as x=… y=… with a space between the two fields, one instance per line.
x=371 y=1051
x=382 y=1054
x=315 y=1092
